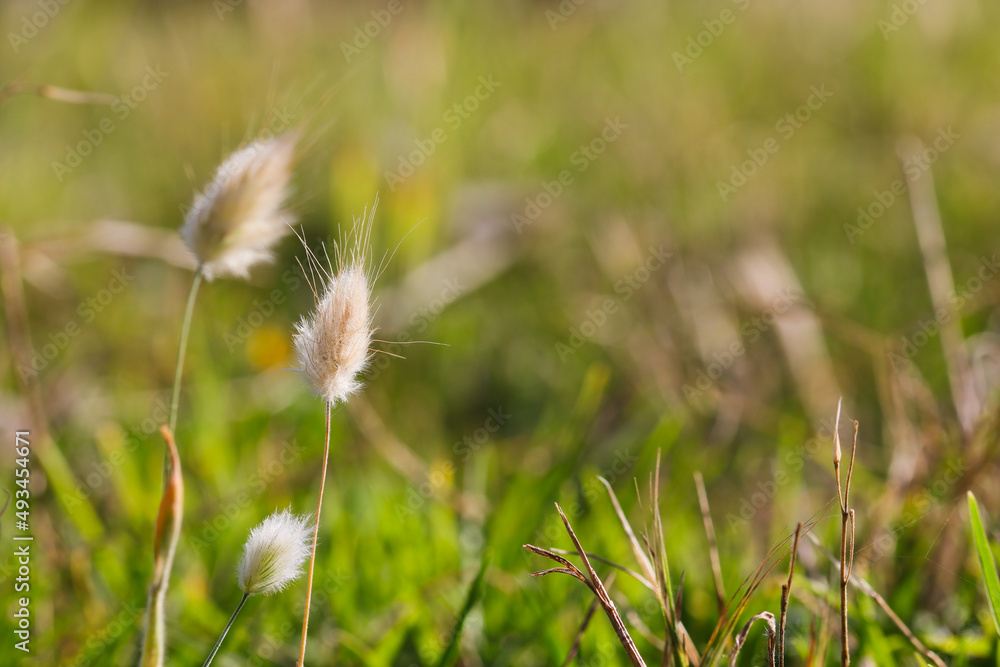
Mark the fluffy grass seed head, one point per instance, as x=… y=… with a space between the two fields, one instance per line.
x=274 y=553
x=241 y=214
x=332 y=343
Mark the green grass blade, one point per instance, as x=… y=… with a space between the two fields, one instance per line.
x=471 y=599
x=986 y=562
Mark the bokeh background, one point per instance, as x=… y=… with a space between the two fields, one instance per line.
x=637 y=227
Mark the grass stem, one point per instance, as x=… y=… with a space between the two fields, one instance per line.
x=786 y=592
x=713 y=547
x=846 y=519
x=182 y=351
x=312 y=557
x=232 y=618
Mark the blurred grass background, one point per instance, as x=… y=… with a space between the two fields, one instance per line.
x=404 y=534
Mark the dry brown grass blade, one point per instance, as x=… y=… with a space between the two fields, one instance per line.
x=602 y=594
x=567 y=567
x=651 y=579
x=640 y=553
x=713 y=547
x=866 y=588
x=766 y=276
x=825 y=638
x=679 y=597
x=561 y=570
x=812 y=642
x=847 y=519
x=741 y=597
x=636 y=622
x=678 y=644
x=586 y=622
x=741 y=638
x=677 y=634
x=168 y=532
x=618 y=566
x=21 y=87
x=67 y=243
x=786 y=592
x=594 y=583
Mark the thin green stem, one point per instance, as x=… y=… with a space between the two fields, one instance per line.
x=232 y=618
x=182 y=352
x=312 y=557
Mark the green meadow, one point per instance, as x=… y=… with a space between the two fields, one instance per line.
x=635 y=241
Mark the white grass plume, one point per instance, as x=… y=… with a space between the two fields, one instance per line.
x=233 y=224
x=274 y=553
x=333 y=342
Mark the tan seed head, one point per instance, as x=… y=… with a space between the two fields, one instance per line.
x=333 y=342
x=235 y=222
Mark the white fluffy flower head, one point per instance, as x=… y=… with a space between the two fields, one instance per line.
x=333 y=342
x=274 y=553
x=241 y=214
